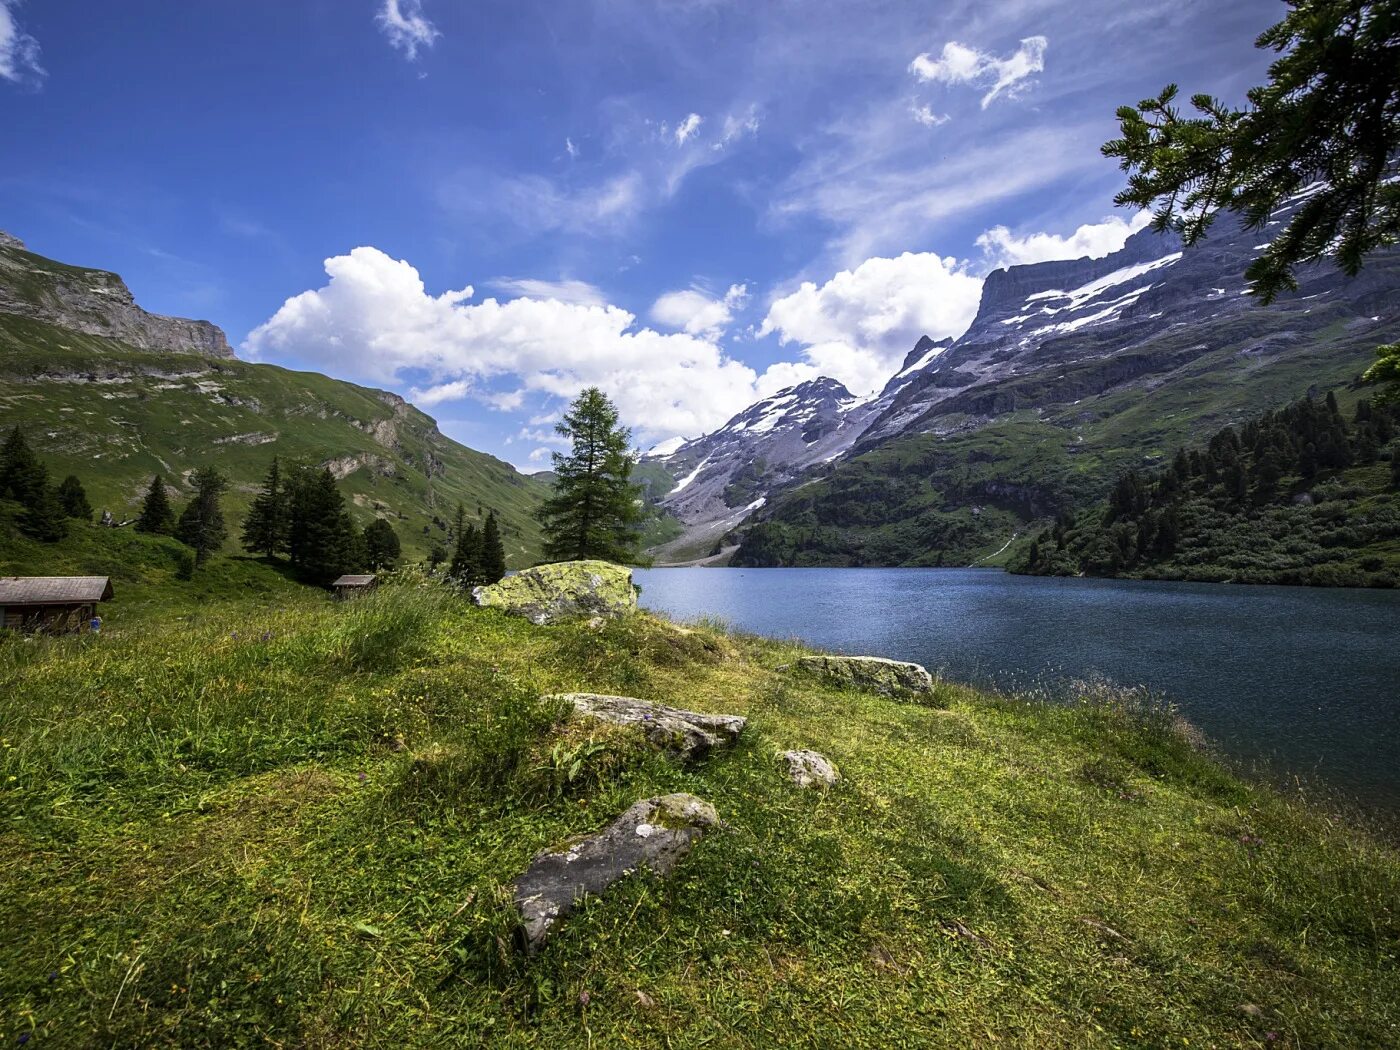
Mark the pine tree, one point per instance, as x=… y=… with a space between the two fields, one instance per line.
x=493 y=551
x=382 y=547
x=265 y=527
x=156 y=515
x=201 y=525
x=73 y=499
x=21 y=473
x=43 y=518
x=594 y=510
x=322 y=539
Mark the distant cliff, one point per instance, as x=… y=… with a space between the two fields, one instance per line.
x=95 y=302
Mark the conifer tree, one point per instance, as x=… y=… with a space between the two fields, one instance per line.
x=465 y=566
x=493 y=551
x=382 y=548
x=73 y=499
x=21 y=473
x=43 y=518
x=156 y=515
x=201 y=525
x=594 y=510
x=265 y=527
x=323 y=541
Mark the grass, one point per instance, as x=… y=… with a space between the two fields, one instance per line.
x=294 y=825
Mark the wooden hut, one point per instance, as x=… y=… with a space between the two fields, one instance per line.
x=51 y=603
x=349 y=586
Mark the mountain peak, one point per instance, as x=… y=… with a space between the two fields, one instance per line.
x=9 y=240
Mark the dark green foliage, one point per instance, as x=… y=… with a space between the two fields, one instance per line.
x=493 y=552
x=43 y=517
x=593 y=511
x=201 y=525
x=185 y=565
x=265 y=527
x=323 y=541
x=1296 y=496
x=21 y=473
x=382 y=547
x=156 y=516
x=73 y=499
x=465 y=566
x=1328 y=119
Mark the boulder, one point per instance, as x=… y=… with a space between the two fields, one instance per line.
x=810 y=769
x=563 y=591
x=653 y=834
x=873 y=674
x=688 y=735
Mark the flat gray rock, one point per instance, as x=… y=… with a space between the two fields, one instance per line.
x=689 y=735
x=653 y=834
x=809 y=769
x=873 y=674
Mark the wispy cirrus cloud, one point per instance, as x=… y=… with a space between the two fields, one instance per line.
x=406 y=27
x=19 y=52
x=960 y=64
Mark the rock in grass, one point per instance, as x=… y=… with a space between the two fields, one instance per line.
x=873 y=674
x=688 y=735
x=653 y=834
x=563 y=591
x=810 y=769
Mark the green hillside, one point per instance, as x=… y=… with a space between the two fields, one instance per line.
x=114 y=415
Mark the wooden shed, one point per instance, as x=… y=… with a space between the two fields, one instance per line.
x=51 y=603
x=349 y=586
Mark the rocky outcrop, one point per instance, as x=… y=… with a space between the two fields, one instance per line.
x=9 y=240
x=563 y=591
x=688 y=735
x=95 y=302
x=808 y=769
x=653 y=834
x=872 y=674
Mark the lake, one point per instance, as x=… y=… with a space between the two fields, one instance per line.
x=1287 y=680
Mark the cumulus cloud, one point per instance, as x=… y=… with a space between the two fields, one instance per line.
x=19 y=52
x=691 y=310
x=406 y=27
x=859 y=325
x=960 y=64
x=688 y=127
x=375 y=320
x=1095 y=240
x=568 y=291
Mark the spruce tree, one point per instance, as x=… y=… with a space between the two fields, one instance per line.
x=493 y=551
x=43 y=518
x=323 y=541
x=265 y=527
x=73 y=499
x=465 y=566
x=201 y=525
x=156 y=515
x=382 y=547
x=594 y=510
x=21 y=473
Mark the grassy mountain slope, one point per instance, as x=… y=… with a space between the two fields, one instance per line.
x=114 y=414
x=296 y=825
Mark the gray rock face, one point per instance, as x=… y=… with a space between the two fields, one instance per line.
x=872 y=674
x=688 y=735
x=563 y=591
x=653 y=834
x=9 y=240
x=809 y=769
x=96 y=302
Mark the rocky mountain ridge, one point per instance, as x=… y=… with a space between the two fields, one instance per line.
x=95 y=302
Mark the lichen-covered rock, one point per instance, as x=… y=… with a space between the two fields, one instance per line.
x=563 y=591
x=688 y=735
x=873 y=674
x=810 y=769
x=653 y=834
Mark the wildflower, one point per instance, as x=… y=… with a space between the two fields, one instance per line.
x=23 y=1038
x=584 y=998
x=53 y=976
x=267 y=636
x=1270 y=1037
x=363 y=777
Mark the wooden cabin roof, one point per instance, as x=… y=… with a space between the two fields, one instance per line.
x=354 y=581
x=54 y=590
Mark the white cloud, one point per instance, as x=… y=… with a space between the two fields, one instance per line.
x=19 y=52
x=374 y=320
x=960 y=64
x=695 y=312
x=536 y=204
x=1092 y=239
x=927 y=117
x=859 y=325
x=688 y=127
x=570 y=148
x=406 y=27
x=568 y=291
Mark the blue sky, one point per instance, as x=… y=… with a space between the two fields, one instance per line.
x=486 y=206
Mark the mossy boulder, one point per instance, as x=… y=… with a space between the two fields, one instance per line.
x=689 y=735
x=563 y=591
x=873 y=674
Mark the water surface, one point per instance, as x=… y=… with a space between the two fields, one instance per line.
x=1295 y=680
